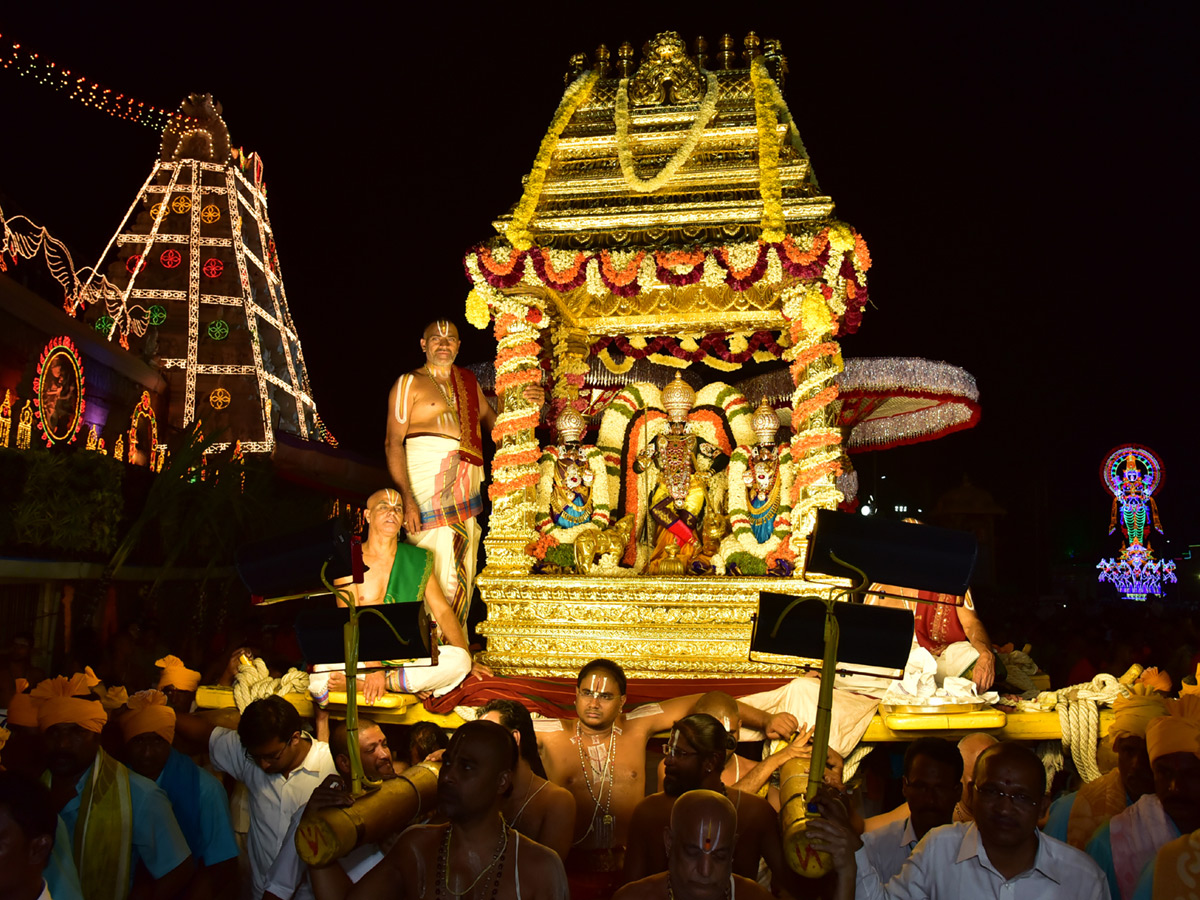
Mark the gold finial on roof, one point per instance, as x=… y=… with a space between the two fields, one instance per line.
x=775 y=60
x=624 y=59
x=677 y=399
x=728 y=55
x=701 y=54
x=577 y=66
x=602 y=60
x=753 y=47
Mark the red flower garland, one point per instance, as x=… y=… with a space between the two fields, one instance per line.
x=566 y=280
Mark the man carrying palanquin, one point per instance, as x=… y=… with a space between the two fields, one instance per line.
x=739 y=772
x=684 y=463
x=434 y=451
x=539 y=809
x=289 y=878
x=476 y=854
x=199 y=801
x=1075 y=817
x=1131 y=838
x=400 y=573
x=695 y=756
x=115 y=817
x=700 y=854
x=600 y=757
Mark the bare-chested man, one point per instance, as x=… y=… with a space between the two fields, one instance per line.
x=739 y=772
x=700 y=853
x=601 y=759
x=400 y=573
x=476 y=854
x=434 y=445
x=695 y=756
x=539 y=809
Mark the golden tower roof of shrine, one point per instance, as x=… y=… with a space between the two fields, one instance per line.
x=679 y=123
x=672 y=195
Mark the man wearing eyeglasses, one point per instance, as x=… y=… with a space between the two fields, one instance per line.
x=1002 y=854
x=279 y=764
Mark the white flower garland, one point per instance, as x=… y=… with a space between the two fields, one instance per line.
x=625 y=156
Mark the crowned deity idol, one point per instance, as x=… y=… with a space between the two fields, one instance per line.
x=761 y=476
x=571 y=496
x=685 y=463
x=572 y=490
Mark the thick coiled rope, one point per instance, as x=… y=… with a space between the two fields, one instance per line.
x=254 y=682
x=857 y=755
x=1079 y=718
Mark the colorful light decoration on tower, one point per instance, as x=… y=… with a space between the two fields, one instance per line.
x=144 y=410
x=1132 y=474
x=58 y=392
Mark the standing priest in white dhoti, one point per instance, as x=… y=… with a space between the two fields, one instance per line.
x=435 y=455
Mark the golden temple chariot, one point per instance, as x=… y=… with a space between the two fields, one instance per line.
x=671 y=215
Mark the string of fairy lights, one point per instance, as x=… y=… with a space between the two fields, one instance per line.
x=28 y=63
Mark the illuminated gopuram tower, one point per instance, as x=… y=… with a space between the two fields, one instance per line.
x=192 y=278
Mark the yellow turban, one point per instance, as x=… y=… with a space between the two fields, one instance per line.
x=149 y=713
x=1132 y=714
x=22 y=709
x=1185 y=689
x=61 y=702
x=177 y=675
x=1176 y=732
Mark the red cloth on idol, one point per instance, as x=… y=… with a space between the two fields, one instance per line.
x=937 y=624
x=555 y=697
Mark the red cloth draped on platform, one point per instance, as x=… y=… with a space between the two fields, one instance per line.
x=555 y=697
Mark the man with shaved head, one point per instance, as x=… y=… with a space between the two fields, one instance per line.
x=400 y=573
x=700 y=851
x=1002 y=854
x=695 y=755
x=476 y=853
x=434 y=445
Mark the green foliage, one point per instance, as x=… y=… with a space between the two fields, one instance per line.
x=562 y=556
x=61 y=502
x=745 y=564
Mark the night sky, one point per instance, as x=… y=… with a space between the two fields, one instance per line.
x=1025 y=178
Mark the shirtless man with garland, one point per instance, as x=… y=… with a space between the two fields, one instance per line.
x=600 y=757
x=437 y=416
x=476 y=853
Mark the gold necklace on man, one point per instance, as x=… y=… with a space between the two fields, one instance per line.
x=450 y=416
x=604 y=833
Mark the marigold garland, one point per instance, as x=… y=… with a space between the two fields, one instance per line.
x=574 y=97
x=769 y=186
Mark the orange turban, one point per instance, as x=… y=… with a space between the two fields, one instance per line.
x=22 y=710
x=1191 y=688
x=177 y=675
x=149 y=713
x=61 y=702
x=1132 y=714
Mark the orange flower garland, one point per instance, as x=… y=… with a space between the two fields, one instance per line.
x=621 y=277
